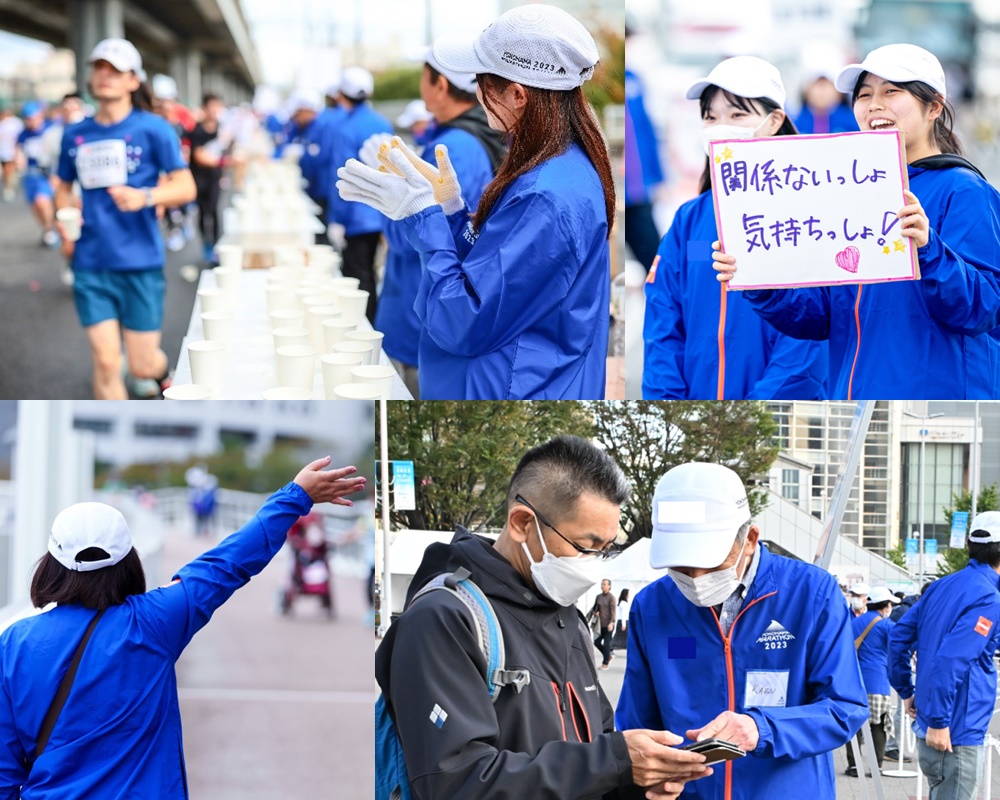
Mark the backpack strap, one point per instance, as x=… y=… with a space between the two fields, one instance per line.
x=865 y=632
x=52 y=715
x=488 y=633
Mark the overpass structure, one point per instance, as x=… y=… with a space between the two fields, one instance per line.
x=205 y=45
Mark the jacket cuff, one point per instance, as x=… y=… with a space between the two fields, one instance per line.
x=622 y=759
x=765 y=736
x=930 y=253
x=298 y=495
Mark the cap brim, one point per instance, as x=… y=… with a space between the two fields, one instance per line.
x=695 y=549
x=117 y=64
x=458 y=54
x=695 y=89
x=848 y=77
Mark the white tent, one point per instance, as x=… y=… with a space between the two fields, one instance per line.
x=630 y=571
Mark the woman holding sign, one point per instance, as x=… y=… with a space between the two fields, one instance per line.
x=685 y=356
x=118 y=156
x=932 y=338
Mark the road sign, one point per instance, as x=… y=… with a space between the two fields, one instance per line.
x=959 y=525
x=403 y=487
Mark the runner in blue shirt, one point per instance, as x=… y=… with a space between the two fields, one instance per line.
x=118 y=156
x=119 y=733
x=37 y=169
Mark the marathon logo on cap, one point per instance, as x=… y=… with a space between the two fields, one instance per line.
x=680 y=512
x=983 y=626
x=529 y=63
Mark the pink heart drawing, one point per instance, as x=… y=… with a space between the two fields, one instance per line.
x=848 y=259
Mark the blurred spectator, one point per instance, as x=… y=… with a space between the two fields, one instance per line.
x=824 y=109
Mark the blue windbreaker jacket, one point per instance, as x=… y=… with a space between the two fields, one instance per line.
x=119 y=734
x=925 y=339
x=519 y=310
x=395 y=315
x=954 y=630
x=682 y=323
x=791 y=642
x=318 y=155
x=351 y=131
x=643 y=170
x=873 y=655
x=840 y=120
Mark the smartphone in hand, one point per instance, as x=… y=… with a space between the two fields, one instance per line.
x=715 y=750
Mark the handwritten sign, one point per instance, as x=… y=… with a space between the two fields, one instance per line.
x=813 y=210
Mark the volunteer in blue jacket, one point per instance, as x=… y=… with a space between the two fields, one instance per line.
x=119 y=733
x=955 y=628
x=127 y=161
x=742 y=97
x=872 y=629
x=475 y=151
x=357 y=225
x=514 y=303
x=317 y=160
x=928 y=338
x=824 y=107
x=741 y=645
x=37 y=188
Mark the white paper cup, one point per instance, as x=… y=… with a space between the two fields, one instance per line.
x=357 y=391
x=286 y=393
x=376 y=375
x=314 y=322
x=287 y=319
x=335 y=330
x=281 y=298
x=229 y=255
x=363 y=349
x=353 y=302
x=218 y=326
x=187 y=391
x=290 y=256
x=374 y=337
x=283 y=337
x=208 y=364
x=296 y=366
x=345 y=283
x=211 y=299
x=337 y=370
x=71 y=221
x=228 y=278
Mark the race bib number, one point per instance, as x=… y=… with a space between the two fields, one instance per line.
x=33 y=148
x=766 y=689
x=101 y=164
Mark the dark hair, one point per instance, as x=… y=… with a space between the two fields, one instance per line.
x=551 y=122
x=755 y=105
x=623 y=596
x=453 y=91
x=944 y=137
x=879 y=606
x=74 y=95
x=208 y=97
x=142 y=98
x=564 y=468
x=99 y=589
x=985 y=552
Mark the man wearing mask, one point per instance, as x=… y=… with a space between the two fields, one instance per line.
x=741 y=645
x=551 y=735
x=857 y=599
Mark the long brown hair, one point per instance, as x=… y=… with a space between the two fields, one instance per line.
x=551 y=122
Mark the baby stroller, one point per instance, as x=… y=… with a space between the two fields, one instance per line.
x=310 y=573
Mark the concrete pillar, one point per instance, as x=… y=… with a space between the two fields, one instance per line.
x=90 y=22
x=185 y=67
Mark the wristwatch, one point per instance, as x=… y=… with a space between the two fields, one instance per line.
x=149 y=198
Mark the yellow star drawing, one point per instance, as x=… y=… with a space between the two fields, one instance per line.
x=885 y=250
x=718 y=159
x=899 y=245
x=727 y=153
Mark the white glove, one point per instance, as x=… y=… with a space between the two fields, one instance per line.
x=447 y=190
x=369 y=150
x=337 y=234
x=398 y=196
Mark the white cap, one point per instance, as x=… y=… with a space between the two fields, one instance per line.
x=415 y=111
x=860 y=588
x=897 y=63
x=357 y=83
x=119 y=53
x=85 y=525
x=697 y=511
x=164 y=87
x=466 y=81
x=985 y=528
x=881 y=594
x=304 y=100
x=534 y=45
x=743 y=76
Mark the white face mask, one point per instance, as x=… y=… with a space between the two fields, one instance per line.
x=711 y=588
x=715 y=132
x=563 y=579
x=858 y=603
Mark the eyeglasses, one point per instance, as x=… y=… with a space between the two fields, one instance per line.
x=609 y=552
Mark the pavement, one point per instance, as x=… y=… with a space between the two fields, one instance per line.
x=277 y=707
x=847 y=788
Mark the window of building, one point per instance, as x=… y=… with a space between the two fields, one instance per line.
x=790 y=484
x=160 y=430
x=95 y=425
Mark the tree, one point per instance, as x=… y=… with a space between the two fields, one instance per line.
x=464 y=454
x=648 y=438
x=952 y=559
x=897 y=555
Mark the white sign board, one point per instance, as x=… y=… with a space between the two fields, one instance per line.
x=812 y=210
